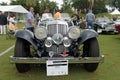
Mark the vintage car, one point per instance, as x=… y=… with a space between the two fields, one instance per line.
x=56 y=41
x=103 y=24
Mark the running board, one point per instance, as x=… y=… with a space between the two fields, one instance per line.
x=43 y=59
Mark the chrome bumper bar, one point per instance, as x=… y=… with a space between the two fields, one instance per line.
x=71 y=59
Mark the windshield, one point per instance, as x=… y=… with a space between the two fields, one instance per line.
x=46 y=16
x=65 y=15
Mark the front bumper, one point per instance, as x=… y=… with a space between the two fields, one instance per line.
x=71 y=59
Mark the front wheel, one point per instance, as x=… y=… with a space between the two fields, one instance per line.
x=91 y=49
x=22 y=49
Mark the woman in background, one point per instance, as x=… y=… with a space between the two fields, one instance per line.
x=12 y=23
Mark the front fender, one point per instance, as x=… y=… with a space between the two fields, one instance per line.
x=28 y=36
x=87 y=34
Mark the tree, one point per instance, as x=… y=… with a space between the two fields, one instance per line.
x=3 y=3
x=113 y=3
x=98 y=8
x=24 y=3
x=84 y=5
x=80 y=5
x=91 y=3
x=38 y=6
x=66 y=7
x=46 y=4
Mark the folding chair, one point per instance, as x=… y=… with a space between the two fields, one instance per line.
x=9 y=34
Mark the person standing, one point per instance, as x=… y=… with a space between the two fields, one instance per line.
x=75 y=18
x=90 y=18
x=12 y=23
x=30 y=19
x=3 y=22
x=57 y=15
x=37 y=18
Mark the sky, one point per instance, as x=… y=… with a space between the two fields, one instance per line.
x=57 y=1
x=8 y=1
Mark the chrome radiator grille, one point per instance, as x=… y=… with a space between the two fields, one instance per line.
x=57 y=28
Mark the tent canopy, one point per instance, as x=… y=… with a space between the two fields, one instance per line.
x=13 y=8
x=115 y=12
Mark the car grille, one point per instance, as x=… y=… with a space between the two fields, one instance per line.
x=57 y=49
x=57 y=28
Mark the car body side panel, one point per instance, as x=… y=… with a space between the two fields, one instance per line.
x=118 y=28
x=86 y=34
x=28 y=36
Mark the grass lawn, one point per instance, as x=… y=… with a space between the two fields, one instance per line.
x=6 y=43
x=109 y=70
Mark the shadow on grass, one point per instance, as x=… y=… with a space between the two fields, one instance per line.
x=108 y=33
x=118 y=38
x=42 y=68
x=75 y=71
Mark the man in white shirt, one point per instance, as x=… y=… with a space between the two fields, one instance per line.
x=30 y=19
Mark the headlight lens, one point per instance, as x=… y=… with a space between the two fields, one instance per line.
x=66 y=42
x=40 y=32
x=74 y=33
x=48 y=42
x=57 y=38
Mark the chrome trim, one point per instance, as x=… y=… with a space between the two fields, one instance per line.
x=48 y=42
x=57 y=28
x=71 y=59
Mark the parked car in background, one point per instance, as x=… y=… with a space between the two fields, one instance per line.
x=117 y=25
x=104 y=24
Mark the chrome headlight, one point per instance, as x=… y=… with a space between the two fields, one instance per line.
x=66 y=42
x=57 y=38
x=74 y=33
x=48 y=42
x=40 y=32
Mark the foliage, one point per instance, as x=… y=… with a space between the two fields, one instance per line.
x=98 y=8
x=38 y=6
x=66 y=7
x=24 y=3
x=46 y=4
x=3 y=3
x=84 y=5
x=81 y=5
x=113 y=3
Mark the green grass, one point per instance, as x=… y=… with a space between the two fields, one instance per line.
x=109 y=70
x=21 y=25
x=6 y=43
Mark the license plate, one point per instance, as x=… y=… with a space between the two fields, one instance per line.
x=57 y=67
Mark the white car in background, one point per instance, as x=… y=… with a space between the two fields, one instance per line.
x=104 y=25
